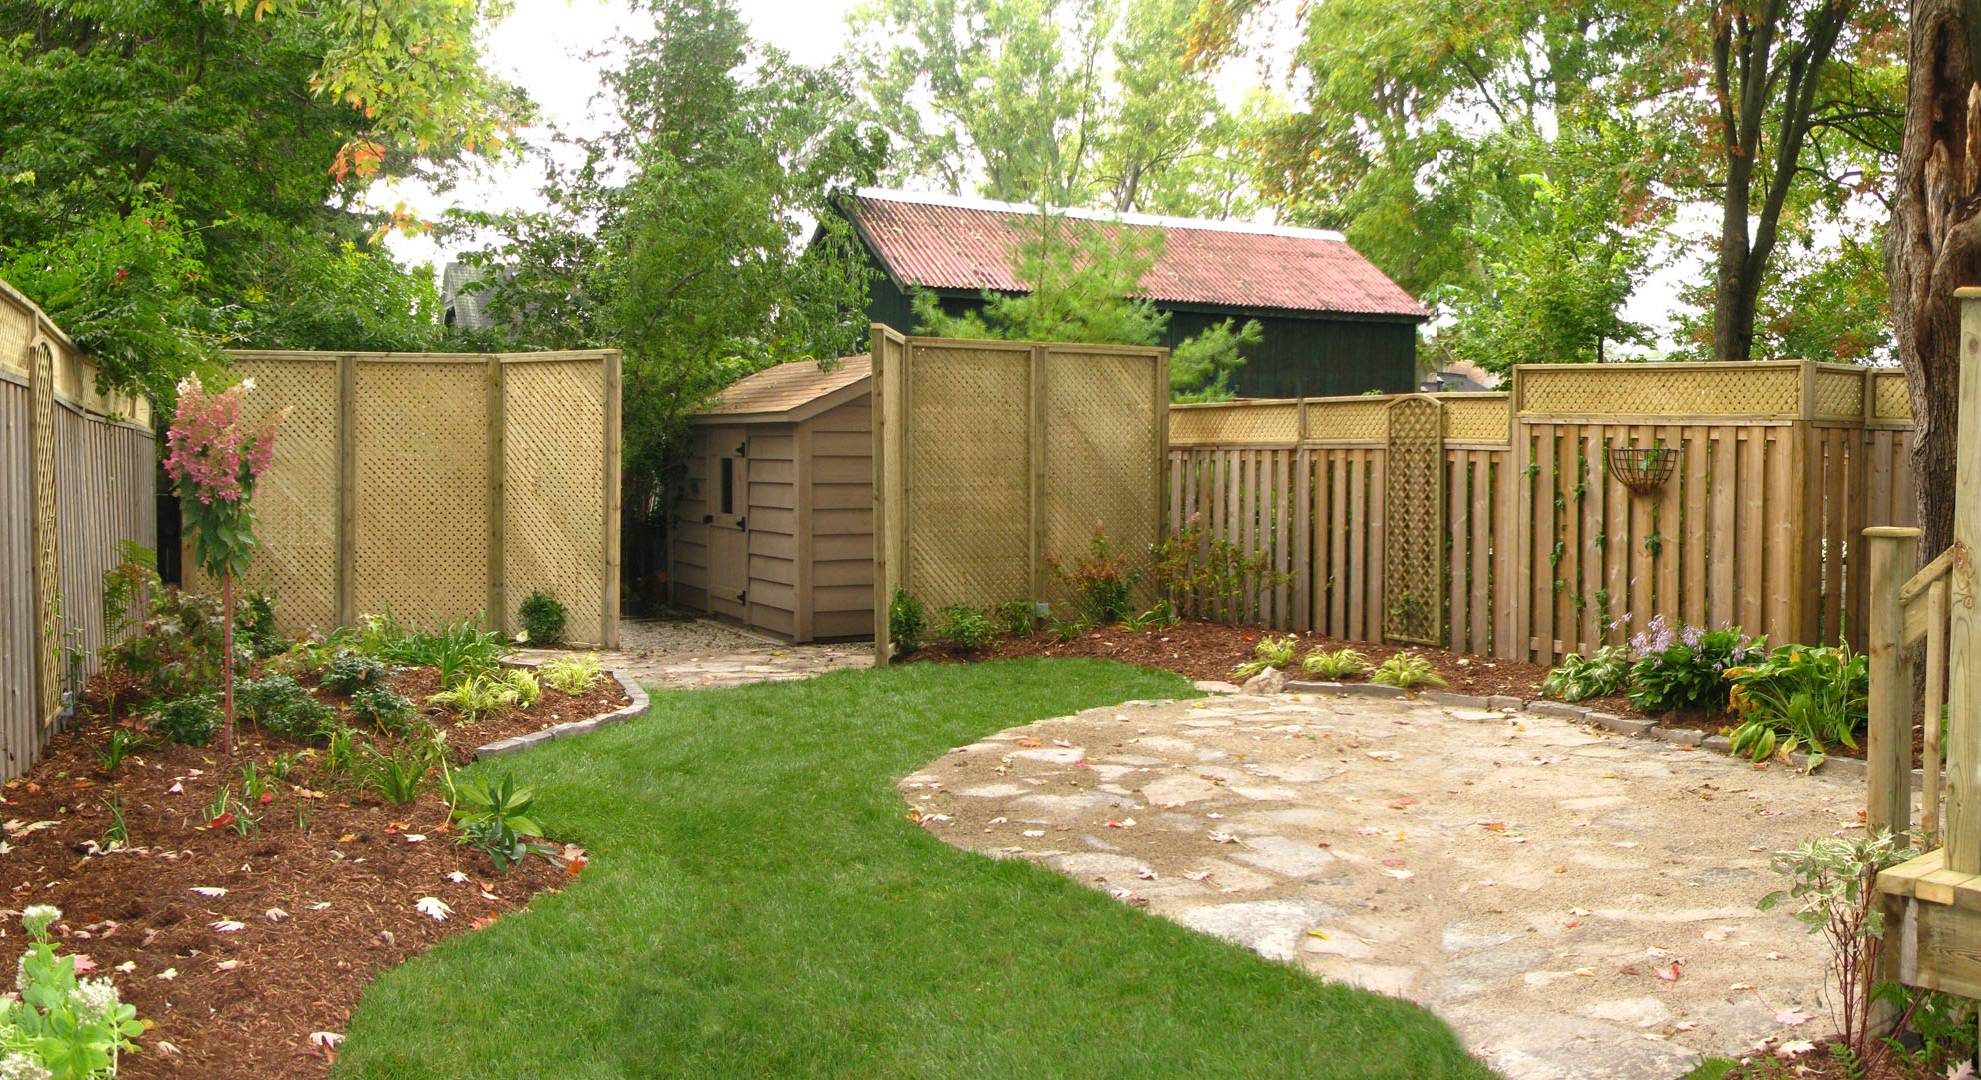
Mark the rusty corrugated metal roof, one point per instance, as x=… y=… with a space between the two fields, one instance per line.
x=942 y=242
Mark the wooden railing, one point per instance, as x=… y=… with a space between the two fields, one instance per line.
x=1901 y=617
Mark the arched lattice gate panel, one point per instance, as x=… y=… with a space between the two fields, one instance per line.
x=47 y=558
x=1413 y=566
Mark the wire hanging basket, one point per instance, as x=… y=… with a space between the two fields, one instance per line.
x=1642 y=469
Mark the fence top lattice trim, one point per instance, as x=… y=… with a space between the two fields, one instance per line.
x=330 y=355
x=25 y=327
x=1358 y=420
x=1766 y=390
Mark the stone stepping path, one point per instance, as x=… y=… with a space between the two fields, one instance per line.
x=700 y=654
x=1574 y=903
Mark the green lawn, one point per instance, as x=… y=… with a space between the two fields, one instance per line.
x=757 y=905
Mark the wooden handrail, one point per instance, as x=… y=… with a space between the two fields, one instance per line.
x=1927 y=575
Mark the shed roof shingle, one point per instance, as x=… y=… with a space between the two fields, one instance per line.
x=941 y=242
x=785 y=387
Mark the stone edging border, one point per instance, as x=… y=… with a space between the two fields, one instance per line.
x=510 y=745
x=1628 y=726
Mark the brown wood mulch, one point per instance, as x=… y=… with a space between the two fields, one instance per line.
x=324 y=887
x=1208 y=650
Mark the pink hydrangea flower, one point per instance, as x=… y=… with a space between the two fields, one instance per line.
x=210 y=453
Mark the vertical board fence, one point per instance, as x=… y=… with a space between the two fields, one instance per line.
x=994 y=459
x=439 y=486
x=76 y=477
x=1524 y=545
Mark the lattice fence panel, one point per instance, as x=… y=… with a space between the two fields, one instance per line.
x=1270 y=423
x=1348 y=420
x=1756 y=390
x=422 y=520
x=295 y=502
x=554 y=488
x=1839 y=395
x=968 y=516
x=1486 y=418
x=1102 y=469
x=1893 y=399
x=1413 y=570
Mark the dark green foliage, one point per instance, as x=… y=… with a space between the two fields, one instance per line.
x=1686 y=669
x=260 y=699
x=352 y=672
x=304 y=719
x=966 y=627
x=494 y=817
x=1600 y=674
x=177 y=651
x=1019 y=618
x=543 y=618
x=116 y=747
x=1799 y=697
x=190 y=719
x=458 y=650
x=254 y=626
x=1101 y=581
x=382 y=708
x=398 y=777
x=907 y=622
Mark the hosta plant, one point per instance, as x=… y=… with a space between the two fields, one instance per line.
x=1406 y=671
x=1600 y=674
x=1338 y=664
x=571 y=675
x=494 y=818
x=1799 y=698
x=1686 y=668
x=1268 y=652
x=61 y=1027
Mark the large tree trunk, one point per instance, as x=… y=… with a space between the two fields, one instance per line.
x=1935 y=246
x=1733 y=294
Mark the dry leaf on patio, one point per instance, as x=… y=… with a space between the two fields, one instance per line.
x=1403 y=803
x=1668 y=973
x=1223 y=838
x=1493 y=826
x=1794 y=1048
x=1028 y=742
x=433 y=907
x=1793 y=1017
x=1197 y=875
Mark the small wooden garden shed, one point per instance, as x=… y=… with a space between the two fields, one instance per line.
x=775 y=528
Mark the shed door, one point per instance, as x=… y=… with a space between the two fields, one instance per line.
x=729 y=538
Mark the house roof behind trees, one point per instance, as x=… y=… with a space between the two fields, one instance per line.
x=948 y=243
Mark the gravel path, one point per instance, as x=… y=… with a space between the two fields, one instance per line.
x=1576 y=904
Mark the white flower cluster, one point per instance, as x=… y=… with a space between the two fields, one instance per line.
x=96 y=997
x=22 y=1067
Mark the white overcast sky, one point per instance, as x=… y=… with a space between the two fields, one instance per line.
x=542 y=46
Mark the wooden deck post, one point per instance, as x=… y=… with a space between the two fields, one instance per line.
x=1888 y=738
x=1963 y=802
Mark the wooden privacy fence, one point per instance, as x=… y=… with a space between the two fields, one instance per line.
x=76 y=477
x=1489 y=523
x=993 y=457
x=439 y=486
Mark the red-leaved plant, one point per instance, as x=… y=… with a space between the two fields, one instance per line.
x=214 y=459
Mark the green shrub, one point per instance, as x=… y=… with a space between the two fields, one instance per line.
x=254 y=626
x=542 y=618
x=352 y=672
x=382 y=707
x=456 y=650
x=907 y=622
x=177 y=650
x=190 y=719
x=303 y=719
x=1064 y=630
x=967 y=628
x=485 y=694
x=260 y=699
x=1101 y=581
x=1686 y=669
x=1799 y=698
x=1019 y=618
x=1338 y=664
x=1406 y=671
x=1268 y=652
x=1600 y=674
x=571 y=675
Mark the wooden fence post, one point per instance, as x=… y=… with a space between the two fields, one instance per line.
x=1888 y=736
x=498 y=569
x=1963 y=743
x=346 y=600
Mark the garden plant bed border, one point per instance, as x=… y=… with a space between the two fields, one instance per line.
x=636 y=704
x=1208 y=651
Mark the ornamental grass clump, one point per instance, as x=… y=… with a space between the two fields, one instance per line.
x=214 y=458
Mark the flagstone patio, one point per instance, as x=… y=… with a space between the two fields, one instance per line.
x=701 y=654
x=1575 y=903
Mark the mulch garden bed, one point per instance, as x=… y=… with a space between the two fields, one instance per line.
x=1208 y=650
x=241 y=946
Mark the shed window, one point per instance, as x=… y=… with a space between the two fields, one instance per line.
x=728 y=485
